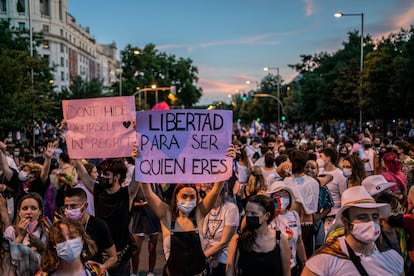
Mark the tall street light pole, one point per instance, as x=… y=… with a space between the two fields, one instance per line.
x=278 y=90
x=361 y=66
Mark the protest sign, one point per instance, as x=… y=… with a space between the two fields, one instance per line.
x=183 y=146
x=100 y=127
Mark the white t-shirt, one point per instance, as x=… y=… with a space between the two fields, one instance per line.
x=378 y=263
x=289 y=224
x=306 y=191
x=214 y=223
x=336 y=187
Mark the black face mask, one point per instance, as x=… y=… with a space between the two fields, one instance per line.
x=367 y=146
x=252 y=222
x=377 y=145
x=104 y=183
x=343 y=154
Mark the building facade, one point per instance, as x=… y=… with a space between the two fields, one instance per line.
x=70 y=48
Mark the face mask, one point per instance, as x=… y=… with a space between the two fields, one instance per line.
x=366 y=232
x=377 y=145
x=74 y=214
x=343 y=154
x=23 y=176
x=70 y=250
x=252 y=222
x=347 y=172
x=16 y=153
x=367 y=146
x=281 y=203
x=104 y=182
x=186 y=206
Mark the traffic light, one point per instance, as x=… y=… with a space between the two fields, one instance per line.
x=283 y=118
x=257 y=119
x=244 y=97
x=239 y=120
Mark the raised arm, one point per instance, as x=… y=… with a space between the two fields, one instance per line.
x=8 y=172
x=84 y=175
x=159 y=207
x=132 y=190
x=44 y=174
x=208 y=202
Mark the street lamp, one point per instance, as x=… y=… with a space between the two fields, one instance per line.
x=280 y=104
x=278 y=90
x=361 y=66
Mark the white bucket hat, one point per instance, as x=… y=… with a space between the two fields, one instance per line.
x=277 y=186
x=376 y=184
x=359 y=197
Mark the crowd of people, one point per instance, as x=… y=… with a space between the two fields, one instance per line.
x=299 y=202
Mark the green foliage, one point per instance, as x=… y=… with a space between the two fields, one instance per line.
x=24 y=82
x=151 y=67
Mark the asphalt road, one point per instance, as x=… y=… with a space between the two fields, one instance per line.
x=159 y=265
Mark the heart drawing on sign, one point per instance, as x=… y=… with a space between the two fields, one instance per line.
x=126 y=124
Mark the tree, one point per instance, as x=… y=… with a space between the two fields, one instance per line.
x=151 y=67
x=24 y=82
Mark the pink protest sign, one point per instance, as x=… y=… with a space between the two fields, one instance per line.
x=100 y=127
x=183 y=146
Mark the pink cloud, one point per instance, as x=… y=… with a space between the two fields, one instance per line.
x=309 y=7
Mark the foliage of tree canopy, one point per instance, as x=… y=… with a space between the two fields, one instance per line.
x=332 y=86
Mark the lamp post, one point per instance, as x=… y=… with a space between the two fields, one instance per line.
x=278 y=90
x=280 y=104
x=361 y=66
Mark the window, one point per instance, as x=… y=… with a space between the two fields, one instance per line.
x=45 y=29
x=62 y=62
x=3 y=6
x=61 y=32
x=62 y=47
x=62 y=76
x=45 y=44
x=44 y=8
x=22 y=26
x=60 y=10
x=20 y=6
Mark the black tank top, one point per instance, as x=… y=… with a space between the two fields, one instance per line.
x=261 y=263
x=186 y=255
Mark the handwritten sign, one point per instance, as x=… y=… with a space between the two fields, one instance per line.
x=100 y=127
x=183 y=146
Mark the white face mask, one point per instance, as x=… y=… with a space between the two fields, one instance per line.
x=69 y=250
x=23 y=176
x=347 y=172
x=186 y=206
x=366 y=232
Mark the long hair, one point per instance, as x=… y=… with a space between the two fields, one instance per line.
x=39 y=201
x=248 y=237
x=358 y=170
x=50 y=261
x=256 y=182
x=173 y=205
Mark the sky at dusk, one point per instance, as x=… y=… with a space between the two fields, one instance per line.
x=231 y=41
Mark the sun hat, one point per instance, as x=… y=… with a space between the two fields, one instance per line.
x=359 y=197
x=277 y=186
x=376 y=184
